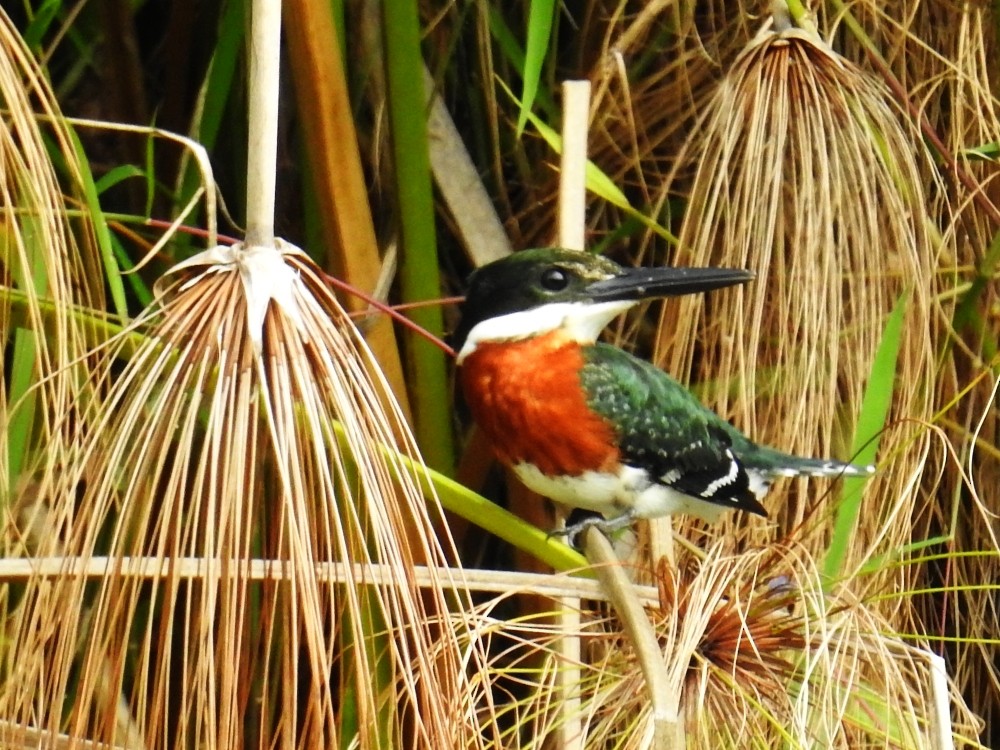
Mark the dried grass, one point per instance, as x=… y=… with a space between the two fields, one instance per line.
x=806 y=175
x=804 y=168
x=50 y=262
x=811 y=167
x=759 y=652
x=218 y=445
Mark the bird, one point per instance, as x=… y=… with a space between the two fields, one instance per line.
x=589 y=425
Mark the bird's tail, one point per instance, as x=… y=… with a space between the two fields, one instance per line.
x=777 y=464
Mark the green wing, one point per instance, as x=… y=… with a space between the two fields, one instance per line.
x=666 y=431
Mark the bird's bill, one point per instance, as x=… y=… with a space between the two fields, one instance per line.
x=646 y=283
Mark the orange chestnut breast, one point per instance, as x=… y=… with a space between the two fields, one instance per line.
x=526 y=396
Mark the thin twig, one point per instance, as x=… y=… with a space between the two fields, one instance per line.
x=19 y=569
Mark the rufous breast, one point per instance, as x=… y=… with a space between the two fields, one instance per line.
x=527 y=397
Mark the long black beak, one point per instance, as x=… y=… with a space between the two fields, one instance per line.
x=647 y=283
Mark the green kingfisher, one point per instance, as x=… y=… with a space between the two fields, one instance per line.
x=588 y=424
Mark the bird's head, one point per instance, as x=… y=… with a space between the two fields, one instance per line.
x=537 y=291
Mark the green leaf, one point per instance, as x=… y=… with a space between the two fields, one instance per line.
x=45 y=14
x=219 y=83
x=117 y=175
x=216 y=91
x=967 y=318
x=150 y=174
x=112 y=272
x=984 y=152
x=871 y=420
x=500 y=522
x=20 y=424
x=139 y=288
x=514 y=54
x=476 y=509
x=905 y=551
x=540 y=16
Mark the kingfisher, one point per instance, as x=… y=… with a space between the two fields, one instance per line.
x=589 y=425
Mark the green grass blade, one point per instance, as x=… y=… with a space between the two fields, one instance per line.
x=36 y=31
x=23 y=401
x=967 y=318
x=112 y=273
x=906 y=552
x=984 y=152
x=139 y=287
x=476 y=509
x=489 y=516
x=871 y=420
x=150 y=175
x=541 y=14
x=418 y=269
x=21 y=420
x=866 y=708
x=514 y=54
x=119 y=174
x=222 y=71
x=215 y=95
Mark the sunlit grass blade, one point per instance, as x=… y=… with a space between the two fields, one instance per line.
x=474 y=507
x=541 y=14
x=871 y=421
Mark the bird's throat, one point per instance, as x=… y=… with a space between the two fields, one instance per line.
x=581 y=322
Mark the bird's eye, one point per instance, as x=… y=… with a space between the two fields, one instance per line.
x=555 y=279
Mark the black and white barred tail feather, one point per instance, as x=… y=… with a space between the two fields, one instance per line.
x=770 y=462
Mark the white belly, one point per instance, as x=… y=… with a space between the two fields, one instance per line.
x=614 y=494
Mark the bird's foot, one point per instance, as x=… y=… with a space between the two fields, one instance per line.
x=607 y=525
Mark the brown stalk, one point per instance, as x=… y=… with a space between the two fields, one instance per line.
x=325 y=109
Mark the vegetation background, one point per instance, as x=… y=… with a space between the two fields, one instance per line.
x=846 y=153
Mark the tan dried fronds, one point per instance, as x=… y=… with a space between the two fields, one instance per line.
x=49 y=262
x=807 y=176
x=958 y=599
x=947 y=60
x=944 y=70
x=760 y=655
x=243 y=427
x=944 y=58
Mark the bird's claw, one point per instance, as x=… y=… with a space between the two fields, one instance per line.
x=606 y=525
